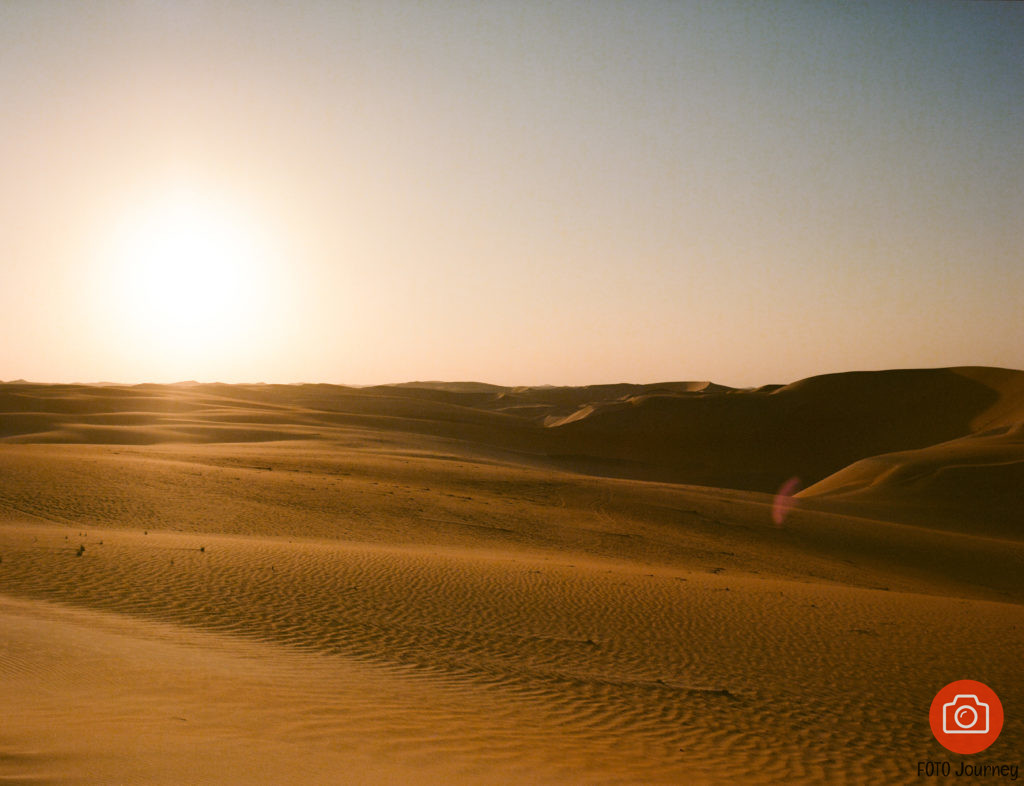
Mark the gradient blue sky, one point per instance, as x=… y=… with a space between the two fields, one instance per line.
x=519 y=193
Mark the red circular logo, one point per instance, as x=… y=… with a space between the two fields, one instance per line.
x=966 y=716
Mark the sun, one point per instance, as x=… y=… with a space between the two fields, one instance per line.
x=190 y=273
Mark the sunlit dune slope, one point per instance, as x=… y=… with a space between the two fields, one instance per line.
x=293 y=662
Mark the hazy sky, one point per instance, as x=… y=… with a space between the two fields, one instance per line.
x=513 y=192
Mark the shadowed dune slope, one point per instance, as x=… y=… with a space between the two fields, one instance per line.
x=810 y=429
x=976 y=479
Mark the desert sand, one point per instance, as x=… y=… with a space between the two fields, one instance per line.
x=465 y=583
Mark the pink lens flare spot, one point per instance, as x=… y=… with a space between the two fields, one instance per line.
x=784 y=501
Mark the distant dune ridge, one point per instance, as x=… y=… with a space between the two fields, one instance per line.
x=439 y=582
x=895 y=435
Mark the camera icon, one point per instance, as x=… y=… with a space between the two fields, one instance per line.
x=966 y=714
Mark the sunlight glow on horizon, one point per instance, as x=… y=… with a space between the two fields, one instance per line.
x=553 y=194
x=185 y=276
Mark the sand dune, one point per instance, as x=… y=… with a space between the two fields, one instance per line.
x=452 y=582
x=681 y=432
x=975 y=482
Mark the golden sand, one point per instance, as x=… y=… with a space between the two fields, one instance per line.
x=470 y=584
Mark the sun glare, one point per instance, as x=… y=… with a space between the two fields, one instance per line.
x=190 y=274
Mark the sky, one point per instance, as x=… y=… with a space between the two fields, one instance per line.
x=511 y=192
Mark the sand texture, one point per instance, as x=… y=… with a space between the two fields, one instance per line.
x=464 y=583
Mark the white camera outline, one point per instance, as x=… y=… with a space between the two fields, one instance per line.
x=978 y=702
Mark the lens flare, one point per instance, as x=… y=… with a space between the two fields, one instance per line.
x=784 y=500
